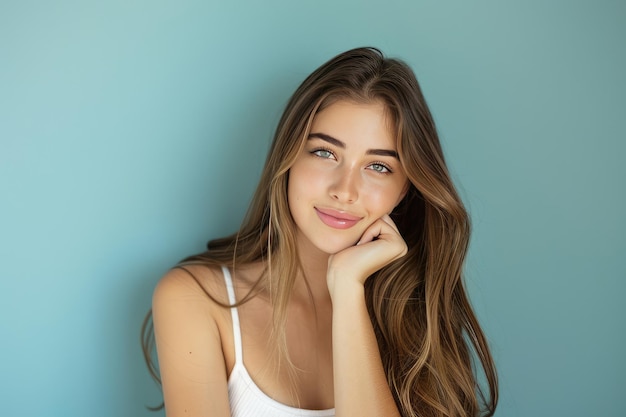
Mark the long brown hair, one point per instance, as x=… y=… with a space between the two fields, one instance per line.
x=428 y=335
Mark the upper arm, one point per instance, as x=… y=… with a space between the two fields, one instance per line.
x=191 y=360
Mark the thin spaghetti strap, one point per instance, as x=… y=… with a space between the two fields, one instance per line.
x=234 y=314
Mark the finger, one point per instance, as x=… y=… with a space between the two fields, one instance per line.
x=380 y=229
x=387 y=219
x=369 y=235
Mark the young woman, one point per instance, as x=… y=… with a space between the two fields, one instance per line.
x=341 y=294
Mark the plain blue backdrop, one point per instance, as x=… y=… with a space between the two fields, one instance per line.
x=131 y=132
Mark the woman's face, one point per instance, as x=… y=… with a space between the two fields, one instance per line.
x=347 y=176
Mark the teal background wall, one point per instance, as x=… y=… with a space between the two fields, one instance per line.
x=132 y=132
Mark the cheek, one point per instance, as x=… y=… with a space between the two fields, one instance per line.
x=306 y=177
x=303 y=183
x=382 y=200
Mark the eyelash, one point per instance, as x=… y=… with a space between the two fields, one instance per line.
x=316 y=150
x=385 y=166
x=382 y=164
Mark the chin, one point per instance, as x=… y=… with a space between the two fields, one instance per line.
x=328 y=244
x=333 y=247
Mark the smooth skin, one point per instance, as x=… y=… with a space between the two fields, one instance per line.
x=347 y=168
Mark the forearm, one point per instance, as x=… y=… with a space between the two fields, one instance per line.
x=361 y=387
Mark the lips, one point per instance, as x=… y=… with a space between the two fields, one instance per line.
x=337 y=219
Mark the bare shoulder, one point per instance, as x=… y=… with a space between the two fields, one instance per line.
x=187 y=315
x=189 y=301
x=188 y=305
x=191 y=283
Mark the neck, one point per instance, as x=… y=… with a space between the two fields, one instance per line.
x=314 y=266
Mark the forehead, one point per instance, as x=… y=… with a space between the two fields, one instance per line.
x=367 y=124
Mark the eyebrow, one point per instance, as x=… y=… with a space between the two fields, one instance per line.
x=340 y=144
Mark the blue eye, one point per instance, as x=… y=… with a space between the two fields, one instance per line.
x=380 y=168
x=323 y=153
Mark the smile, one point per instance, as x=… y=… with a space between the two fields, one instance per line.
x=337 y=219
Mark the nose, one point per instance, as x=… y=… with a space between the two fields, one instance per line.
x=344 y=187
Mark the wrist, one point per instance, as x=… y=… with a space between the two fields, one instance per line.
x=344 y=287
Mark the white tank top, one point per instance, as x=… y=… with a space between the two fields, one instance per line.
x=246 y=398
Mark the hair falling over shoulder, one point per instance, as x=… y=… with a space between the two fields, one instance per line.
x=428 y=335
